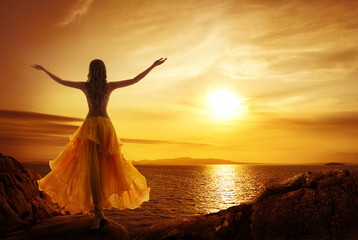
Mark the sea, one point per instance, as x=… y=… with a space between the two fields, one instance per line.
x=188 y=190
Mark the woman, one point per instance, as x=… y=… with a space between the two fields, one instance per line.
x=91 y=171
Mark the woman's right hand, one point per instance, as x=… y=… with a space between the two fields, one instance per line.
x=38 y=67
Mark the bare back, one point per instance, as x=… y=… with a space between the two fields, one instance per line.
x=101 y=110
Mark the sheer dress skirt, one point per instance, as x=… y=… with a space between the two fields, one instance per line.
x=91 y=172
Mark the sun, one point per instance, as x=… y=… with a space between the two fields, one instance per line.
x=225 y=104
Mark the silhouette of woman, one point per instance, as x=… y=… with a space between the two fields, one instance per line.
x=91 y=171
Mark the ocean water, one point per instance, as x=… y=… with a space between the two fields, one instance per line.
x=181 y=191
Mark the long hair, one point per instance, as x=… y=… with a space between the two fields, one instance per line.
x=96 y=84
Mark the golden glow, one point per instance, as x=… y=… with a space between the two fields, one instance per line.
x=297 y=76
x=225 y=104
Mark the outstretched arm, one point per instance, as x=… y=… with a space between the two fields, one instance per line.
x=124 y=83
x=79 y=85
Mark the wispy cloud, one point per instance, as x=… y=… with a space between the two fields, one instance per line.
x=79 y=9
x=32 y=128
x=152 y=141
x=26 y=140
x=341 y=121
x=349 y=157
x=23 y=115
x=21 y=130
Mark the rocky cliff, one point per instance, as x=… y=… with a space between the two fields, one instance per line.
x=21 y=202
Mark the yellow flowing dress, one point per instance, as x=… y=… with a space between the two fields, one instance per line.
x=91 y=171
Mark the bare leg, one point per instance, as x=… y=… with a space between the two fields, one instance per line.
x=96 y=224
x=101 y=214
x=95 y=186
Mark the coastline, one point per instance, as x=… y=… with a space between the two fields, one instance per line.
x=267 y=215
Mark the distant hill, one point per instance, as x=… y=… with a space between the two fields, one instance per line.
x=334 y=163
x=186 y=161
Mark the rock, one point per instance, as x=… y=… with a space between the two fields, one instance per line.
x=314 y=205
x=24 y=210
x=33 y=174
x=21 y=202
x=232 y=223
x=71 y=227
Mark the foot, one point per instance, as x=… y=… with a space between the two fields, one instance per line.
x=98 y=219
x=96 y=223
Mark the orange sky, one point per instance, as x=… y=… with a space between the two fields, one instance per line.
x=294 y=63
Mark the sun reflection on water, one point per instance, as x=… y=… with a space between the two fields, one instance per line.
x=223 y=186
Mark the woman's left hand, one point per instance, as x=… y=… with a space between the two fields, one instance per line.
x=38 y=67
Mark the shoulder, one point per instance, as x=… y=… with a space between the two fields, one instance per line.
x=110 y=86
x=82 y=86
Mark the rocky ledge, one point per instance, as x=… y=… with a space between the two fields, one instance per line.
x=71 y=227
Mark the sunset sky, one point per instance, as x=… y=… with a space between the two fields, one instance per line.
x=292 y=66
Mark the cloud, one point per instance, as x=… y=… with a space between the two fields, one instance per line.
x=349 y=157
x=341 y=121
x=38 y=129
x=341 y=58
x=20 y=128
x=79 y=9
x=23 y=140
x=151 y=141
x=293 y=41
x=24 y=115
x=286 y=91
